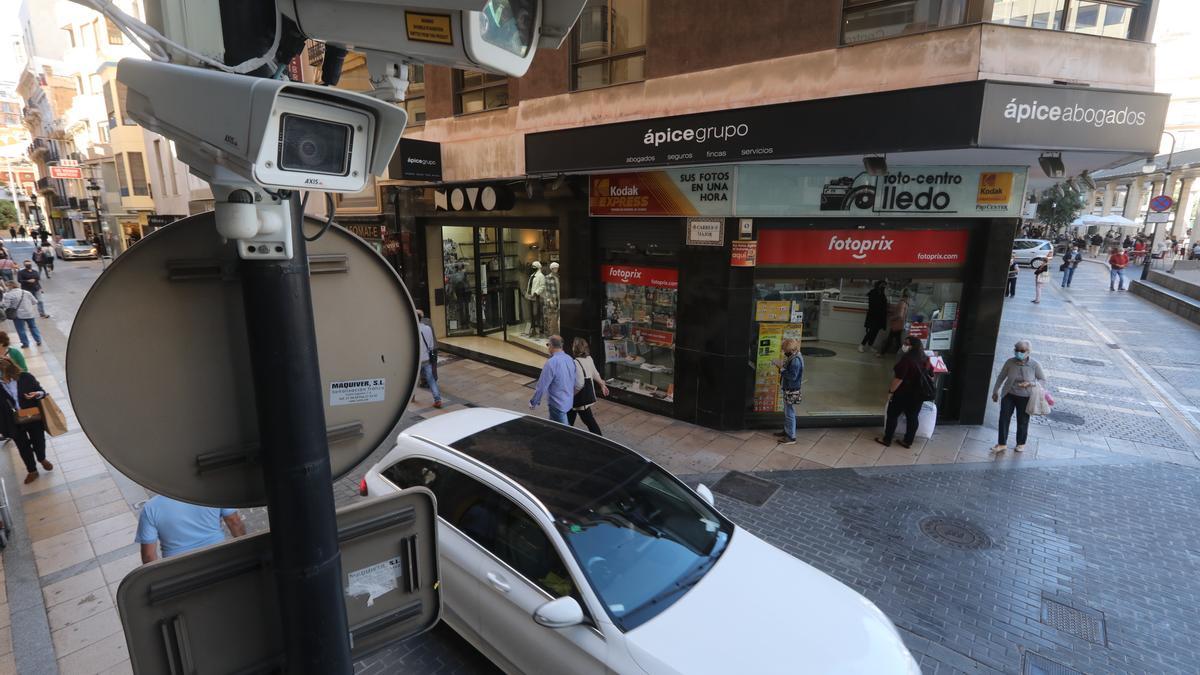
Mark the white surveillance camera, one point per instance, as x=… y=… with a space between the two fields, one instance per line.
x=497 y=36
x=240 y=130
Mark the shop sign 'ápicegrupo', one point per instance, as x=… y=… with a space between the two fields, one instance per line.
x=853 y=248
x=960 y=115
x=655 y=277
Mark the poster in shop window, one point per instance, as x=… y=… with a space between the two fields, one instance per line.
x=769 y=350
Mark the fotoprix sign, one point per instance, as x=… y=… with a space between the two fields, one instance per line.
x=656 y=277
x=853 y=248
x=847 y=191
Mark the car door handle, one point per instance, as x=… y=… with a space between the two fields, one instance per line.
x=498 y=583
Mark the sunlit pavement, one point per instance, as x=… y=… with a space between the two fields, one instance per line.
x=1092 y=515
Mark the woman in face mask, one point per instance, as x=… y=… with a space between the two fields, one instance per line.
x=1017 y=376
x=905 y=393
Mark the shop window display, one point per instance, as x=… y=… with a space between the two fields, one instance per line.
x=828 y=315
x=502 y=283
x=639 y=329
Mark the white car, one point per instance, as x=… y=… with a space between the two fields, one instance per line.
x=563 y=552
x=1032 y=251
x=73 y=249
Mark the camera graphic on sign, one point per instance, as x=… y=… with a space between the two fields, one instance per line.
x=840 y=194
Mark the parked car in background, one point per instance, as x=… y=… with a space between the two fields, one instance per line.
x=72 y=249
x=1031 y=251
x=564 y=552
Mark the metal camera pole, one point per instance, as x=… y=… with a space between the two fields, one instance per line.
x=295 y=459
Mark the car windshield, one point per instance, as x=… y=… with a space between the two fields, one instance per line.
x=1024 y=244
x=70 y=242
x=640 y=536
x=645 y=544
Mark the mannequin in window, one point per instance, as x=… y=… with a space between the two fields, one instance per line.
x=534 y=290
x=550 y=299
x=462 y=293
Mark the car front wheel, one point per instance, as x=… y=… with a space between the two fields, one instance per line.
x=1036 y=261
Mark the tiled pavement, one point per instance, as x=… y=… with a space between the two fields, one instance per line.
x=74 y=535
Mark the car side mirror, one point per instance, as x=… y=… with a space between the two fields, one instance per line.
x=563 y=612
x=706 y=494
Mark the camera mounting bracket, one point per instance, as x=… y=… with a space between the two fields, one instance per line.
x=259 y=221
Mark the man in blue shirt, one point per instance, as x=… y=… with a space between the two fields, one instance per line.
x=557 y=382
x=180 y=527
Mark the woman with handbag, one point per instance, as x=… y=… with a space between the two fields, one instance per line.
x=588 y=378
x=911 y=385
x=23 y=422
x=791 y=376
x=1019 y=377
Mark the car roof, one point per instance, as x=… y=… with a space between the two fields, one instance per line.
x=566 y=469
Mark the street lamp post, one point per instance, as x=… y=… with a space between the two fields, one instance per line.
x=94 y=190
x=1166 y=179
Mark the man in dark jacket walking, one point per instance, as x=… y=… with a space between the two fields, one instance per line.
x=31 y=281
x=877 y=306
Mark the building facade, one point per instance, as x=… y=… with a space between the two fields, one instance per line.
x=700 y=201
x=121 y=182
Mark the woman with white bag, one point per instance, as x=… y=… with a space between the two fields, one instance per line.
x=1019 y=383
x=910 y=387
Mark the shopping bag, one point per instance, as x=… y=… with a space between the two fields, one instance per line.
x=1038 y=405
x=926 y=421
x=56 y=421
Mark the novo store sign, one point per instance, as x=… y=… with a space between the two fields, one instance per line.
x=855 y=248
x=812 y=191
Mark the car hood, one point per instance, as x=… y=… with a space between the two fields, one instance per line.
x=759 y=610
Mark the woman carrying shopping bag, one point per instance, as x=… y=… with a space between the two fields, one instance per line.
x=22 y=418
x=911 y=386
x=1020 y=378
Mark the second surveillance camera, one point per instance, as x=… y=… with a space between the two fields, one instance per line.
x=235 y=129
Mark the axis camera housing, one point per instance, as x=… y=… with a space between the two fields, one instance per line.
x=241 y=130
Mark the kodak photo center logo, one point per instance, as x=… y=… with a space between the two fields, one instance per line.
x=607 y=193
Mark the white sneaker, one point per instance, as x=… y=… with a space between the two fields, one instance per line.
x=860 y=349
x=1020 y=447
x=999 y=447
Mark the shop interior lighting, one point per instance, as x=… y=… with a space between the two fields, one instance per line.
x=1150 y=166
x=875 y=165
x=1052 y=164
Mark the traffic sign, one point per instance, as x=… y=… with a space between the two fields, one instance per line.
x=215 y=611
x=1161 y=203
x=74 y=172
x=159 y=369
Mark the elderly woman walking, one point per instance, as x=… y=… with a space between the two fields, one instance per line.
x=1019 y=377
